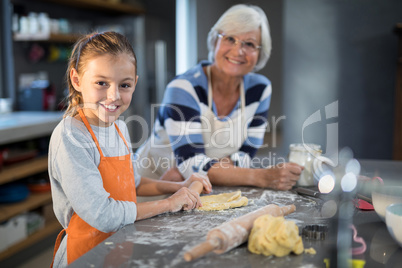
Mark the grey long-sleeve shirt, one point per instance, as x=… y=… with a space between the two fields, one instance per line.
x=76 y=182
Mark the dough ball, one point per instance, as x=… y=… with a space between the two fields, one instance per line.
x=275 y=236
x=310 y=251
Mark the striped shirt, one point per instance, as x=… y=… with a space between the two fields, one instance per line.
x=186 y=99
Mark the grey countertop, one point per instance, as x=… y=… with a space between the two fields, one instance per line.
x=18 y=126
x=162 y=241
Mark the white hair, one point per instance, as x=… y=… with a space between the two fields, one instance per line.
x=241 y=19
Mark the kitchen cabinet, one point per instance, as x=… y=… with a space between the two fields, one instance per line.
x=46 y=51
x=102 y=5
x=55 y=38
x=42 y=55
x=35 y=56
x=16 y=127
x=93 y=6
x=398 y=99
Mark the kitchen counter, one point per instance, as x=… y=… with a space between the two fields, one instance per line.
x=162 y=241
x=17 y=126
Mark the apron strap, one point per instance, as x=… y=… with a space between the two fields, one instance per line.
x=57 y=244
x=84 y=119
x=209 y=87
x=122 y=137
x=242 y=93
x=242 y=98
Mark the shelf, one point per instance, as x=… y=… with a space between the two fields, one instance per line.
x=22 y=170
x=50 y=228
x=8 y=211
x=59 y=38
x=19 y=126
x=101 y=5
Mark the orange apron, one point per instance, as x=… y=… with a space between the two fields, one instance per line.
x=118 y=180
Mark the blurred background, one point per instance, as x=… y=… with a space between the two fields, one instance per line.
x=325 y=52
x=333 y=69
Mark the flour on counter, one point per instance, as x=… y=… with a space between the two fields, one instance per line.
x=168 y=234
x=307 y=209
x=281 y=198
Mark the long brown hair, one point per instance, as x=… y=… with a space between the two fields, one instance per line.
x=88 y=47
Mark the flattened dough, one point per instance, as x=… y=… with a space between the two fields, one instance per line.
x=275 y=236
x=223 y=201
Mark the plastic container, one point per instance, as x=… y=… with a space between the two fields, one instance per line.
x=13 y=192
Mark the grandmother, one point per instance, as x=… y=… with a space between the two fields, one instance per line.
x=213 y=117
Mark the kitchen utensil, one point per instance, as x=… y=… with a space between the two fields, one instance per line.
x=233 y=233
x=365 y=185
x=365 y=198
x=359 y=240
x=362 y=204
x=13 y=192
x=308 y=191
x=315 y=231
x=384 y=196
x=39 y=185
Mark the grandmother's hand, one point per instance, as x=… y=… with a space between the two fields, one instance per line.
x=280 y=177
x=207 y=187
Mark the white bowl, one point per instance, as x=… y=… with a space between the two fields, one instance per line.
x=383 y=196
x=393 y=219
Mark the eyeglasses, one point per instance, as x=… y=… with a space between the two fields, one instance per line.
x=247 y=46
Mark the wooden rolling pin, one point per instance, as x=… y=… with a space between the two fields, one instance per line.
x=233 y=233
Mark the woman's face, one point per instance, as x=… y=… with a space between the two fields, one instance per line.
x=233 y=60
x=107 y=86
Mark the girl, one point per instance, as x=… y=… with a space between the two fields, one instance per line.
x=94 y=184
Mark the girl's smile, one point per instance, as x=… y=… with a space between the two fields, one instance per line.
x=110 y=108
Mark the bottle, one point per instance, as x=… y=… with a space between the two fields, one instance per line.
x=33 y=23
x=24 y=25
x=44 y=24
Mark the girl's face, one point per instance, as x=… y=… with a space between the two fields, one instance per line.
x=233 y=60
x=107 y=85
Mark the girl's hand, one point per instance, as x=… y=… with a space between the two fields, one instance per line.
x=201 y=178
x=184 y=199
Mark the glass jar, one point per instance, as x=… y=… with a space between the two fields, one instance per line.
x=304 y=155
